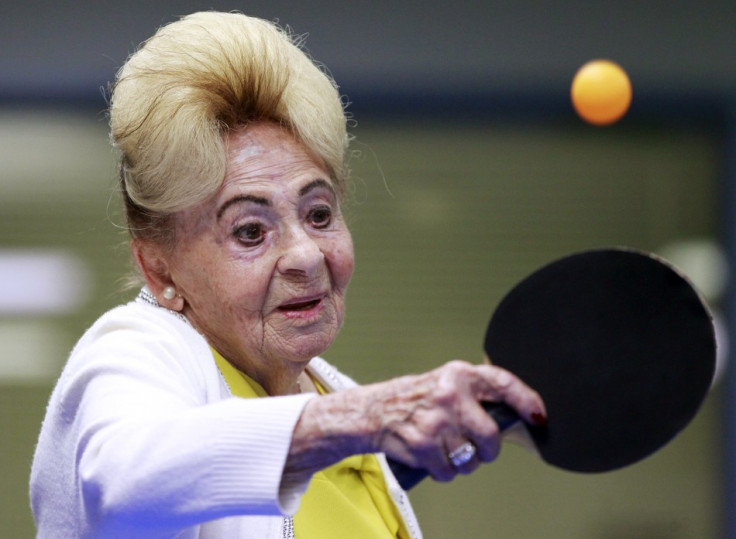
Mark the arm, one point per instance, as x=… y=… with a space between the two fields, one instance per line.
x=416 y=420
x=131 y=419
x=149 y=450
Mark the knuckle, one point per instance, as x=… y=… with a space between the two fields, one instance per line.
x=412 y=438
x=496 y=382
x=452 y=374
x=456 y=368
x=445 y=393
x=435 y=423
x=488 y=430
x=418 y=439
x=503 y=379
x=444 y=474
x=489 y=451
x=423 y=435
x=492 y=454
x=470 y=467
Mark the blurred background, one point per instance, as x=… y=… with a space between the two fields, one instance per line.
x=471 y=169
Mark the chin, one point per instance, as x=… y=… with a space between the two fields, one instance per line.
x=308 y=347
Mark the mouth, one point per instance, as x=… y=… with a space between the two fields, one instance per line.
x=301 y=304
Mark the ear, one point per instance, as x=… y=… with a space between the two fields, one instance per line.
x=154 y=266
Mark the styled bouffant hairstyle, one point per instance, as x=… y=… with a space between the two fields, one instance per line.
x=190 y=84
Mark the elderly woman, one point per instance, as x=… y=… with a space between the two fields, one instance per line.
x=201 y=408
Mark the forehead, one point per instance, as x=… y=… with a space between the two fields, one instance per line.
x=267 y=163
x=262 y=150
x=262 y=159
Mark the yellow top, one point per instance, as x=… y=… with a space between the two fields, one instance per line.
x=349 y=497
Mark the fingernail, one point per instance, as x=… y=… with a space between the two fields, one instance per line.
x=540 y=419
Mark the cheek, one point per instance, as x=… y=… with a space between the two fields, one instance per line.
x=222 y=286
x=247 y=286
x=342 y=262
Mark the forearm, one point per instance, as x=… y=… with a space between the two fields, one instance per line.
x=367 y=419
x=416 y=420
x=330 y=428
x=217 y=460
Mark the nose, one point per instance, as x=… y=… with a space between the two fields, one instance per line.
x=301 y=253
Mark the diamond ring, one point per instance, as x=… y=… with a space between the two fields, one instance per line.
x=462 y=455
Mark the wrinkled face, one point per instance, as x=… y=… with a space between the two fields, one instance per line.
x=264 y=264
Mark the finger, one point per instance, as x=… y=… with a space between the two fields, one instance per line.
x=499 y=385
x=440 y=465
x=464 y=456
x=482 y=431
x=456 y=394
x=422 y=442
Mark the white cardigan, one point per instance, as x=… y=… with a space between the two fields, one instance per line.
x=142 y=438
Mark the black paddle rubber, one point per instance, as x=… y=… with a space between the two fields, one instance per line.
x=619 y=345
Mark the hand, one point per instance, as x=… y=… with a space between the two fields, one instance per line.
x=424 y=418
x=418 y=420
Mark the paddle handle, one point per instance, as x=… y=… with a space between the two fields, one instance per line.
x=409 y=477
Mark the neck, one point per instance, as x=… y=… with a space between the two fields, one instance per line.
x=285 y=385
x=276 y=378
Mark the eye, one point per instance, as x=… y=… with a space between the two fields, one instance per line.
x=250 y=234
x=320 y=216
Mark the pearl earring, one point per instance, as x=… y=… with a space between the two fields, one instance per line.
x=169 y=292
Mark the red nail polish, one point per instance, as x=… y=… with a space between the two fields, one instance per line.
x=540 y=420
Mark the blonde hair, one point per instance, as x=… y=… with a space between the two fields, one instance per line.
x=194 y=81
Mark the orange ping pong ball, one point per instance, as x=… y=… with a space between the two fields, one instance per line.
x=601 y=92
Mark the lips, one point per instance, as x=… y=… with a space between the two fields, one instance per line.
x=301 y=304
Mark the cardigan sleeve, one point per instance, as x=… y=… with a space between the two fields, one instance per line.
x=151 y=447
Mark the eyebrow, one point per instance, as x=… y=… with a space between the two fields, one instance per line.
x=319 y=182
x=261 y=201
x=242 y=198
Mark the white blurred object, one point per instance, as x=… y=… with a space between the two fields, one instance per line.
x=703 y=261
x=40 y=282
x=33 y=351
x=706 y=265
x=722 y=346
x=54 y=156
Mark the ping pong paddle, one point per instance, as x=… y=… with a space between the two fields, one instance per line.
x=621 y=348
